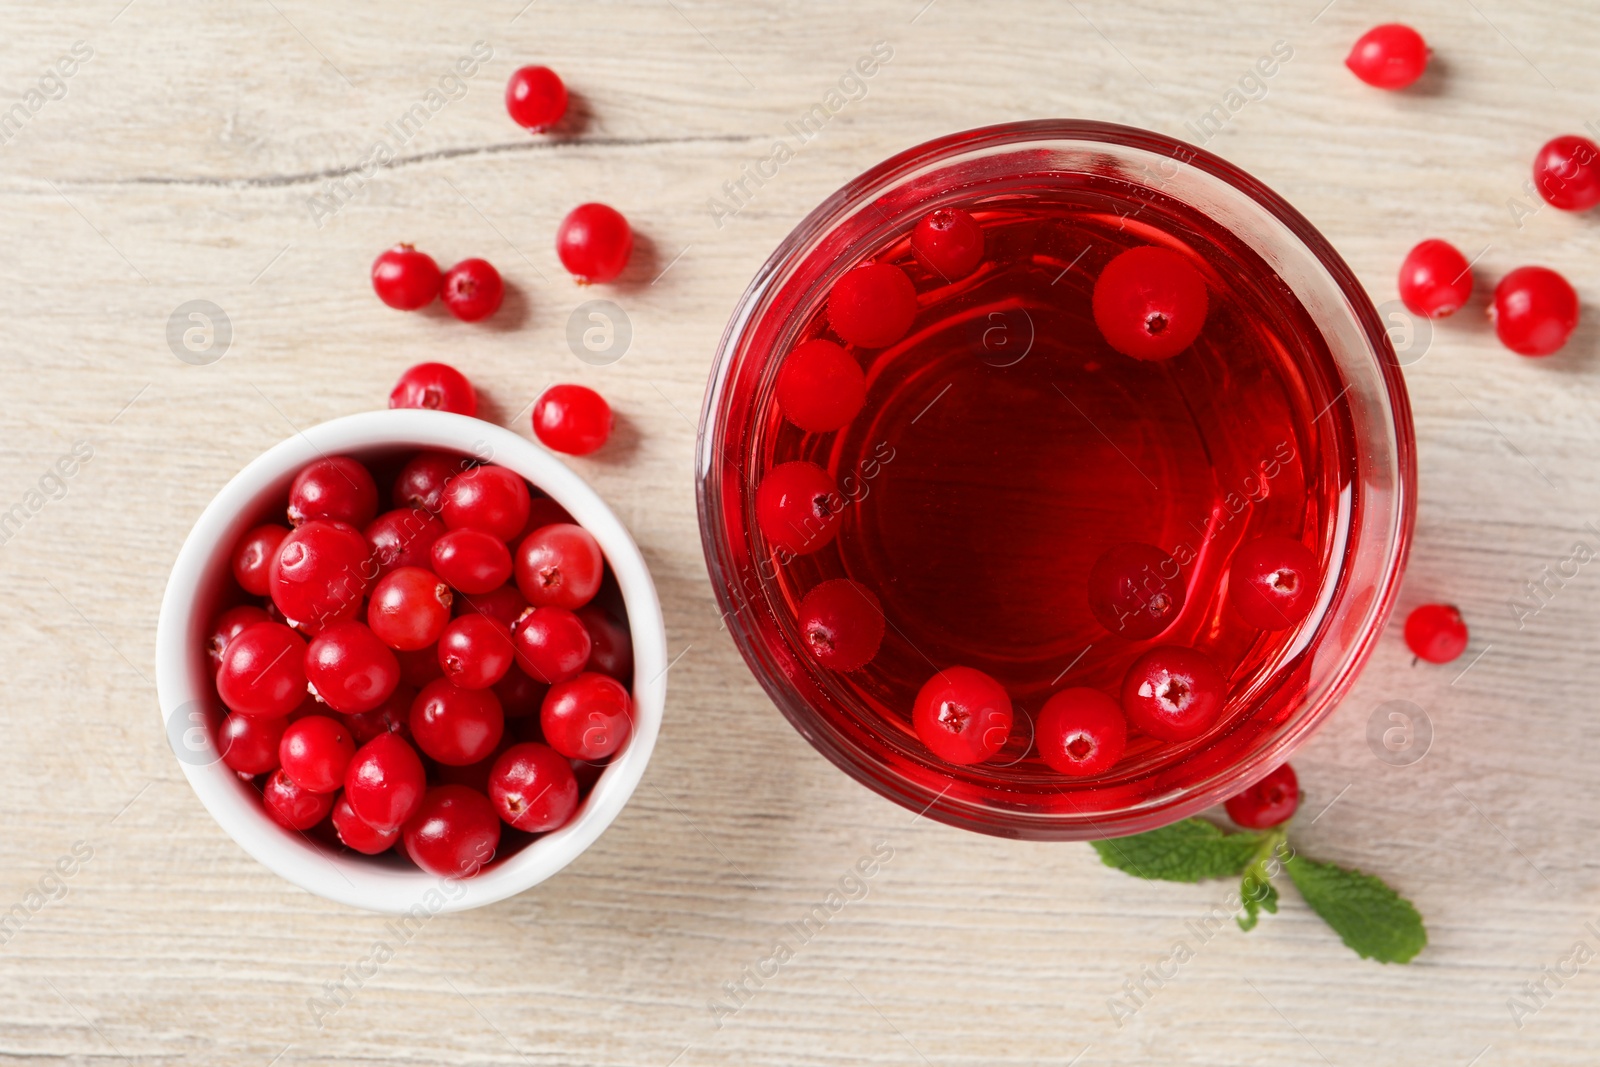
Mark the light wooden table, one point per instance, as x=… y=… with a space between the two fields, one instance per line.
x=198 y=154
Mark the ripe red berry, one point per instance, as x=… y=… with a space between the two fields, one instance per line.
x=594 y=243
x=798 y=507
x=1391 y=56
x=405 y=279
x=1273 y=581
x=841 y=624
x=475 y=651
x=820 y=386
x=350 y=669
x=519 y=695
x=403 y=537
x=962 y=715
x=292 y=805
x=472 y=561
x=263 y=671
x=409 y=610
x=321 y=573
x=1135 y=590
x=249 y=743
x=1435 y=279
x=454 y=833
x=491 y=499
x=231 y=624
x=336 y=488
x=1268 y=803
x=572 y=418
x=472 y=290
x=1436 y=633
x=435 y=387
x=455 y=725
x=422 y=481
x=1535 y=310
x=315 y=751
x=949 y=242
x=588 y=717
x=553 y=645
x=1081 y=732
x=385 y=782
x=504 y=605
x=1567 y=173
x=872 y=305
x=393 y=716
x=358 y=835
x=560 y=566
x=533 y=788
x=611 y=645
x=252 y=557
x=1173 y=693
x=536 y=98
x=1150 y=303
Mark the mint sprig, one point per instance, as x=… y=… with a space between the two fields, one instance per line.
x=1368 y=916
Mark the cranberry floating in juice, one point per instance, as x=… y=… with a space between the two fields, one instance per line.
x=1067 y=409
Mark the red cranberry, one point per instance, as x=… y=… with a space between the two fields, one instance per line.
x=385 y=782
x=1567 y=173
x=542 y=512
x=1135 y=590
x=949 y=242
x=410 y=608
x=491 y=499
x=403 y=537
x=263 y=671
x=1081 y=732
x=321 y=574
x=455 y=725
x=872 y=305
x=1435 y=279
x=422 y=481
x=1150 y=303
x=358 y=835
x=594 y=243
x=610 y=643
x=841 y=624
x=472 y=561
x=405 y=278
x=315 y=751
x=520 y=696
x=393 y=716
x=350 y=669
x=1268 y=803
x=475 y=651
x=553 y=645
x=336 y=488
x=572 y=418
x=533 y=788
x=559 y=566
x=435 y=387
x=820 y=386
x=1390 y=56
x=536 y=98
x=252 y=558
x=798 y=507
x=1273 y=581
x=454 y=833
x=472 y=290
x=293 y=806
x=962 y=715
x=231 y=624
x=1173 y=693
x=504 y=605
x=588 y=717
x=1436 y=633
x=249 y=743
x=1534 y=311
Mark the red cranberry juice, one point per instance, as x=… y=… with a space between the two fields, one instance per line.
x=1005 y=446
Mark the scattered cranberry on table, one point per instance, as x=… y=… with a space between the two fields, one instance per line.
x=1535 y=311
x=1391 y=56
x=1435 y=279
x=406 y=279
x=1436 y=633
x=594 y=242
x=1567 y=173
x=436 y=387
x=536 y=98
x=1270 y=802
x=572 y=418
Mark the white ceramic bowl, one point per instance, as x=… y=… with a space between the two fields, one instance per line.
x=201 y=578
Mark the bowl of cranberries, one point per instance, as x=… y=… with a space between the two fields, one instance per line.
x=408 y=658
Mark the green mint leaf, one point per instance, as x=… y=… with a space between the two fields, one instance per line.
x=1186 y=851
x=1371 y=918
x=1257 y=894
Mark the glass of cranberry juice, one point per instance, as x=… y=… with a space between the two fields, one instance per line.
x=1004 y=449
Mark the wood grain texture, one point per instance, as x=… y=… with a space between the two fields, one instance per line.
x=181 y=163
